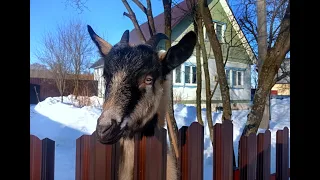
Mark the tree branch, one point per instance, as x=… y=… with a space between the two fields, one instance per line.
x=141 y=6
x=148 y=13
x=150 y=17
x=274 y=14
x=133 y=18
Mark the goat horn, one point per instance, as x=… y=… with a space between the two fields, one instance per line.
x=155 y=39
x=125 y=37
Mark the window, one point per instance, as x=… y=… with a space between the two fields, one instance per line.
x=190 y=74
x=228 y=77
x=239 y=79
x=185 y=74
x=219 y=31
x=194 y=75
x=178 y=75
x=235 y=78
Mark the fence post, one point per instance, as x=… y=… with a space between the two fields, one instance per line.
x=282 y=154
x=48 y=153
x=248 y=157
x=263 y=151
x=150 y=156
x=223 y=151
x=95 y=160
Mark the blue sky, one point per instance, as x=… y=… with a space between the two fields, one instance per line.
x=105 y=17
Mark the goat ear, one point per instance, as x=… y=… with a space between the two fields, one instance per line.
x=179 y=53
x=103 y=46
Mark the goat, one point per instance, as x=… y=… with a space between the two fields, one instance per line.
x=136 y=92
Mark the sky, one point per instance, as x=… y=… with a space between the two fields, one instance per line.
x=104 y=16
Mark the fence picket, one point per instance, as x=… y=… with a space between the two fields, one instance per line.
x=248 y=157
x=41 y=158
x=282 y=154
x=264 y=153
x=195 y=151
x=183 y=153
x=151 y=156
x=35 y=158
x=48 y=148
x=223 y=151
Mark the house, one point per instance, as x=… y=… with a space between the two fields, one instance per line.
x=240 y=56
x=282 y=87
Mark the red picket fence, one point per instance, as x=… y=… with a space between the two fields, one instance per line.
x=95 y=161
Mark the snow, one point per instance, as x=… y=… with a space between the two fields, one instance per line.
x=67 y=121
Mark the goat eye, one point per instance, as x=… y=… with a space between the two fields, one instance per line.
x=148 y=80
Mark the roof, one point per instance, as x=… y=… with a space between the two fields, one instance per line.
x=98 y=63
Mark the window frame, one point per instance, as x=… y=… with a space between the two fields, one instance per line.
x=223 y=29
x=183 y=73
x=233 y=79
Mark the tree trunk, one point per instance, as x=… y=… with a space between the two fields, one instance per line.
x=262 y=52
x=269 y=69
x=76 y=87
x=216 y=48
x=262 y=32
x=206 y=79
x=60 y=85
x=199 y=75
x=173 y=130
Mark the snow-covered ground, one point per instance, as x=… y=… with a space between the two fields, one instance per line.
x=64 y=123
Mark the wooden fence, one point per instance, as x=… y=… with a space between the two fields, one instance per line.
x=95 y=161
x=48 y=88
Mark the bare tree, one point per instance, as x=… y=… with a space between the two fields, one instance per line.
x=56 y=57
x=78 y=5
x=217 y=51
x=80 y=49
x=278 y=46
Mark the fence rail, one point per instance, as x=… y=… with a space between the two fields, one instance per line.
x=95 y=161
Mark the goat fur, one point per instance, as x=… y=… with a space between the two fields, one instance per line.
x=127 y=145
